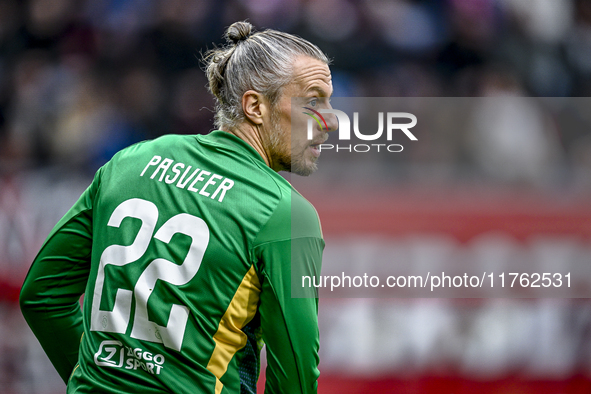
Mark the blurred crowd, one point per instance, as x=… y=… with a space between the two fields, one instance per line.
x=81 y=79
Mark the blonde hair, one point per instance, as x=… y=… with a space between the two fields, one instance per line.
x=259 y=61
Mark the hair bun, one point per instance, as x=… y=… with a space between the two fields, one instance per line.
x=238 y=31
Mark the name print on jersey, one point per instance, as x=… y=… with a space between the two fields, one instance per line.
x=198 y=175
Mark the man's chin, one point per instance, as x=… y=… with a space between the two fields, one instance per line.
x=303 y=169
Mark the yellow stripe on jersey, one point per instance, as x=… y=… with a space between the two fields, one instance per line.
x=229 y=337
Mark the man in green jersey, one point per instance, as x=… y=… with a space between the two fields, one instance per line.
x=183 y=246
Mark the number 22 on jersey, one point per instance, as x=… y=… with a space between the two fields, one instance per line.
x=118 y=320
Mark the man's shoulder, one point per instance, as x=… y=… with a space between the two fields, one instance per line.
x=304 y=217
x=167 y=140
x=293 y=217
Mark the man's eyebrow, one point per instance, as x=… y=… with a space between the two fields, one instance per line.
x=319 y=90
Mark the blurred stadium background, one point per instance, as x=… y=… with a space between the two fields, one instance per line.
x=81 y=79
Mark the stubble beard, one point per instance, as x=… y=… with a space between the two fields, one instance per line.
x=284 y=150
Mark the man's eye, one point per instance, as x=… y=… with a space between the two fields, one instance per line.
x=313 y=102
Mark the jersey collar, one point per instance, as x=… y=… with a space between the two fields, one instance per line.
x=220 y=137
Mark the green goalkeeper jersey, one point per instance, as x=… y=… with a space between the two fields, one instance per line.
x=183 y=248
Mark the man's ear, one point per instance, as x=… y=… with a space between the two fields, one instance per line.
x=254 y=106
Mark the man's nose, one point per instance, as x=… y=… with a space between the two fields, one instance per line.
x=331 y=120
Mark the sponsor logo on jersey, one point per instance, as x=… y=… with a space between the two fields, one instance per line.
x=114 y=354
x=110 y=354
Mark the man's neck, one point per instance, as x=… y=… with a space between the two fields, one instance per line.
x=252 y=135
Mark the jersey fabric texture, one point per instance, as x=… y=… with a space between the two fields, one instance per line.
x=183 y=247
